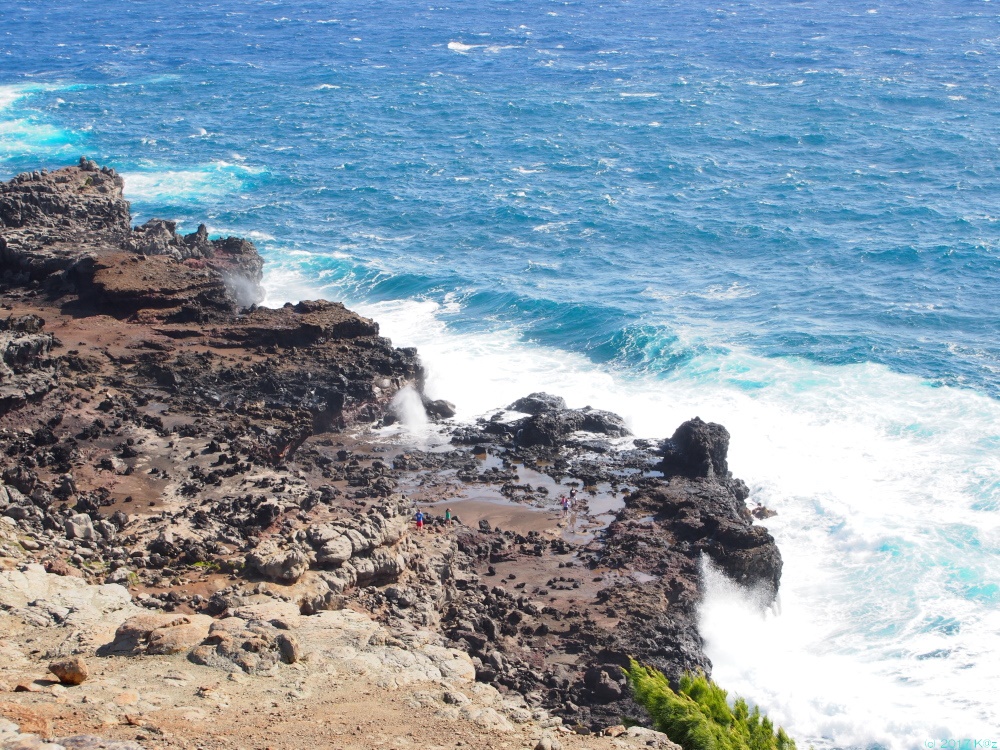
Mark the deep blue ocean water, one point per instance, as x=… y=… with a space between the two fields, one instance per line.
x=784 y=216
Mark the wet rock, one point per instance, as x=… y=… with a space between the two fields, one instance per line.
x=697 y=449
x=439 y=409
x=552 y=427
x=537 y=403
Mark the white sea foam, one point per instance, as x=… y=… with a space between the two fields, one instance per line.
x=552 y=226
x=736 y=290
x=251 y=234
x=888 y=498
x=28 y=135
x=218 y=178
x=10 y=94
x=459 y=47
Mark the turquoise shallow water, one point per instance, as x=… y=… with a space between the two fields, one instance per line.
x=780 y=215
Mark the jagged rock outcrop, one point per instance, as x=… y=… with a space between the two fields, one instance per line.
x=538 y=403
x=248 y=643
x=52 y=222
x=550 y=423
x=303 y=324
x=26 y=371
x=697 y=449
x=71 y=229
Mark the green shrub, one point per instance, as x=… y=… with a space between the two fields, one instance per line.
x=698 y=716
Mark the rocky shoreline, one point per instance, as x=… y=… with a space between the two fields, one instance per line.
x=215 y=461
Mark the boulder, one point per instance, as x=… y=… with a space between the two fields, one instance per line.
x=537 y=403
x=80 y=527
x=652 y=738
x=551 y=427
x=255 y=646
x=71 y=671
x=439 y=409
x=334 y=552
x=276 y=564
x=155 y=633
x=697 y=449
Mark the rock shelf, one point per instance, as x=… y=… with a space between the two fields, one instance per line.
x=188 y=477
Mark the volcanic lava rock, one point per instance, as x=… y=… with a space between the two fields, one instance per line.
x=276 y=564
x=551 y=423
x=697 y=449
x=253 y=645
x=537 y=403
x=26 y=370
x=54 y=222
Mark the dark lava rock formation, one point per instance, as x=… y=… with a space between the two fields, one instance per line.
x=635 y=587
x=159 y=430
x=67 y=235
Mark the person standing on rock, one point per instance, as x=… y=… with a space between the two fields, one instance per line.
x=419 y=518
x=447 y=515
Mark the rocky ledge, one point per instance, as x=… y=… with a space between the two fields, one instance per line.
x=162 y=434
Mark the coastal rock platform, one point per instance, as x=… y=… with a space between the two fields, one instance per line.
x=203 y=499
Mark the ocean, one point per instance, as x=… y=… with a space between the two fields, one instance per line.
x=781 y=216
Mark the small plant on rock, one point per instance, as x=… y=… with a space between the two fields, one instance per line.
x=698 y=717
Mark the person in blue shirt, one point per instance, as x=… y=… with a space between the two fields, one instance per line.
x=419 y=518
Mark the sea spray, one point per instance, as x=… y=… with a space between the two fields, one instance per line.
x=880 y=482
x=409 y=410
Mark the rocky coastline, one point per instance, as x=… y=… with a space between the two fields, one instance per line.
x=212 y=467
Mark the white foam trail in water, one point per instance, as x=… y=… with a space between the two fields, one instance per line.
x=888 y=498
x=10 y=94
x=171 y=186
x=22 y=136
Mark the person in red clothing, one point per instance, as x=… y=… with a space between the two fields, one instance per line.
x=419 y=518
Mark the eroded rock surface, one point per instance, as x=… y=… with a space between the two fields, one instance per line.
x=178 y=461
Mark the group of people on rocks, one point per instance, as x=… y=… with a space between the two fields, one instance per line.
x=567 y=501
x=420 y=518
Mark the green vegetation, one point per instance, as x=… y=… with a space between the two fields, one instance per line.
x=698 y=717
